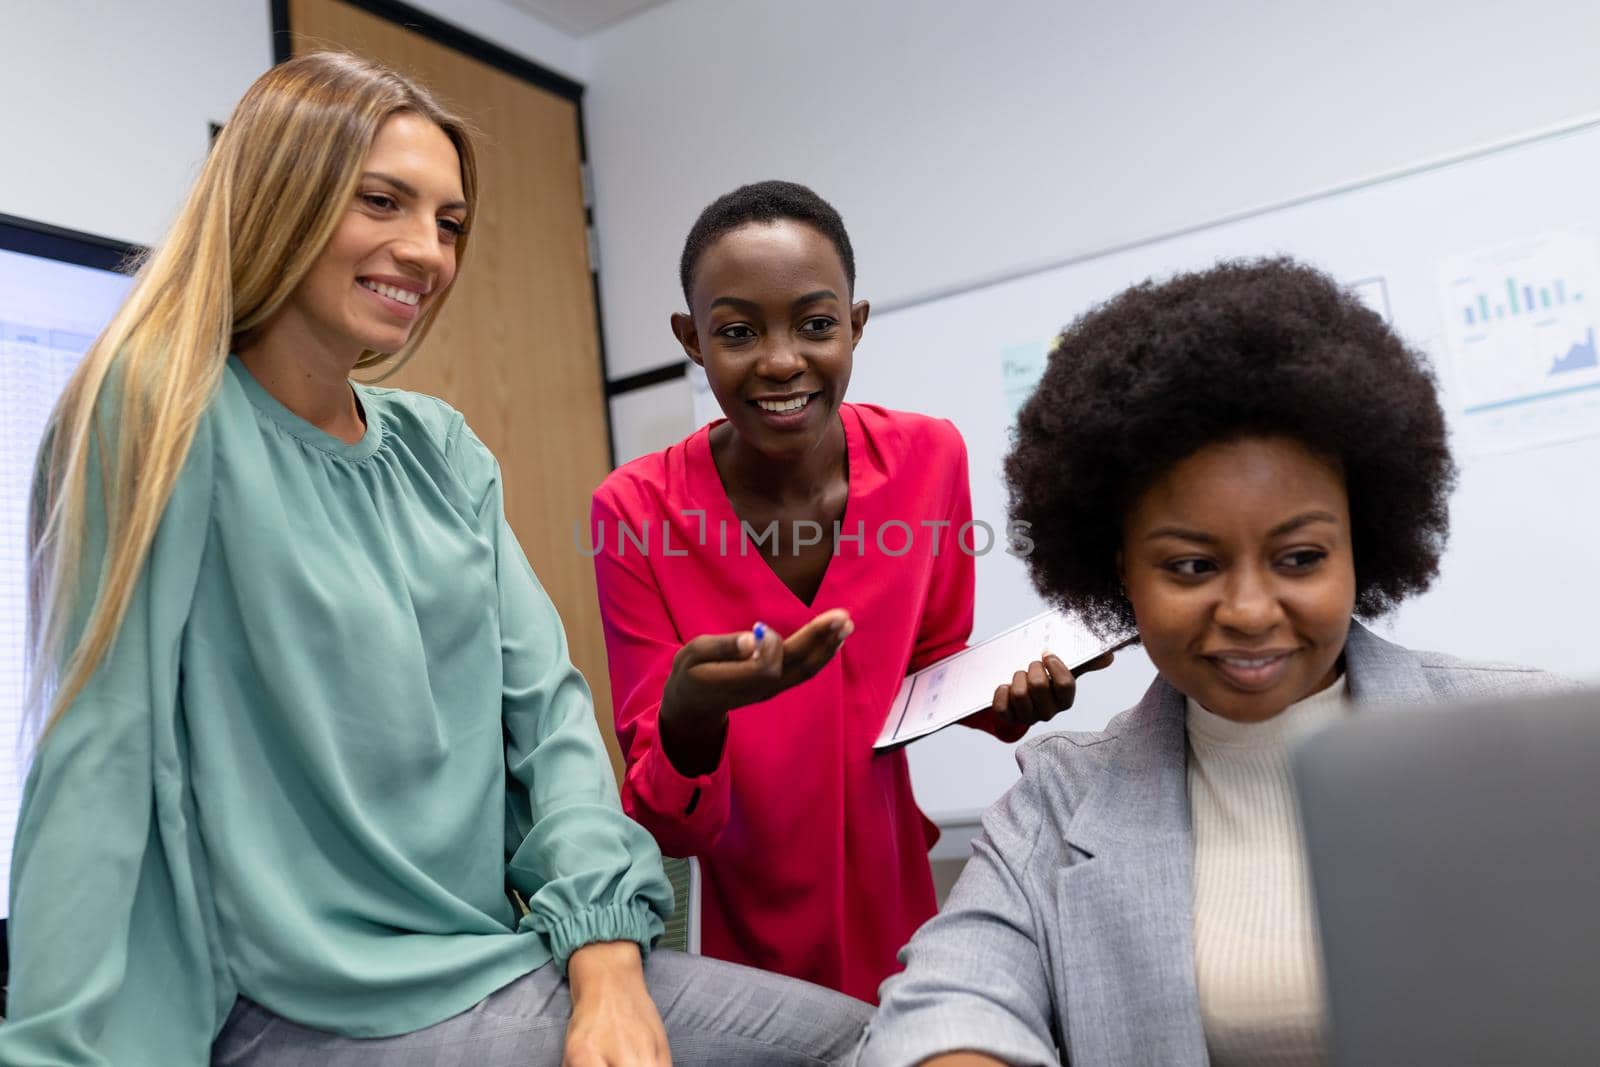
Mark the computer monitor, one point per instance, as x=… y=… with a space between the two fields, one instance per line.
x=1455 y=857
x=58 y=288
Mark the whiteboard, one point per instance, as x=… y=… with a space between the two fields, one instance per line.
x=1482 y=261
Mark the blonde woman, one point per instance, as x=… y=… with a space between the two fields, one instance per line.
x=306 y=711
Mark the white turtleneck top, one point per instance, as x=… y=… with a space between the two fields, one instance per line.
x=1258 y=962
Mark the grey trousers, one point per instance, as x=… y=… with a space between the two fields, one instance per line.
x=714 y=1013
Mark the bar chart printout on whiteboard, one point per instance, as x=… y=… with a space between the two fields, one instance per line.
x=964 y=683
x=1520 y=326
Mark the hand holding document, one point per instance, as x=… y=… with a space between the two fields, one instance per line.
x=964 y=683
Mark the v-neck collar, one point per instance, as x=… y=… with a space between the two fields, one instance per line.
x=708 y=488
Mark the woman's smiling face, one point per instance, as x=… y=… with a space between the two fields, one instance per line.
x=394 y=252
x=1239 y=566
x=773 y=325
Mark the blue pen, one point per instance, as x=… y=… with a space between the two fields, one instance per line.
x=759 y=630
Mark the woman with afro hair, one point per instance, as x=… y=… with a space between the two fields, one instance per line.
x=1236 y=462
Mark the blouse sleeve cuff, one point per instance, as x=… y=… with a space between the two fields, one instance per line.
x=699 y=801
x=634 y=921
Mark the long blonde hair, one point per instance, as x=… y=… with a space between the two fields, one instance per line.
x=278 y=180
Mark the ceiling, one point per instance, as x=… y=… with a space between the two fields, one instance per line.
x=579 y=18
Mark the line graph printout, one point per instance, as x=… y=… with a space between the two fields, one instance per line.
x=49 y=313
x=1021 y=367
x=1520 y=323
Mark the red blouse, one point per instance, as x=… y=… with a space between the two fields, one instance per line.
x=813 y=852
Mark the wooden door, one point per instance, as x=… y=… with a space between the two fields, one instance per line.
x=517 y=348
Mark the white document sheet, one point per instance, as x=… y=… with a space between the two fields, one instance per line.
x=964 y=683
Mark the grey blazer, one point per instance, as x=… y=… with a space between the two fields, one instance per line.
x=1069 y=935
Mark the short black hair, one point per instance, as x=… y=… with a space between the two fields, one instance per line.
x=767 y=201
x=1248 y=347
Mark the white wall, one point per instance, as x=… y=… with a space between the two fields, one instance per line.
x=105 y=104
x=962 y=141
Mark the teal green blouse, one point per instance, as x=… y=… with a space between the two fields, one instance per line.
x=338 y=721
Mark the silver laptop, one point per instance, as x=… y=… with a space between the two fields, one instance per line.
x=1455 y=856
